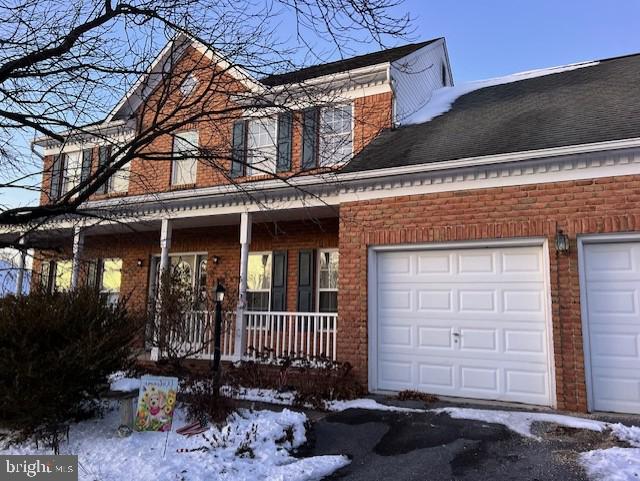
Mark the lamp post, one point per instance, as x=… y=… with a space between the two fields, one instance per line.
x=219 y=297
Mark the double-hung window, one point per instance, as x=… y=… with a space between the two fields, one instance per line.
x=56 y=275
x=111 y=279
x=261 y=146
x=259 y=281
x=119 y=180
x=328 y=261
x=185 y=160
x=335 y=135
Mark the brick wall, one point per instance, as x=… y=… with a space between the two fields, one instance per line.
x=578 y=207
x=371 y=114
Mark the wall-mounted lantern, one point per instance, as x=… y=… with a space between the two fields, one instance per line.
x=562 y=242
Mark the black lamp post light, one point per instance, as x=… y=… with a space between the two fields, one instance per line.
x=219 y=297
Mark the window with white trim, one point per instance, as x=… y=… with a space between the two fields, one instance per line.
x=56 y=275
x=261 y=146
x=259 y=281
x=189 y=84
x=72 y=170
x=111 y=279
x=188 y=269
x=328 y=261
x=119 y=181
x=185 y=148
x=336 y=142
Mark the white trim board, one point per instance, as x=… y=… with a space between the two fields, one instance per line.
x=372 y=307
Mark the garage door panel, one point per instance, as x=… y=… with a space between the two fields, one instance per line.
x=436 y=375
x=435 y=337
x=612 y=291
x=479 y=323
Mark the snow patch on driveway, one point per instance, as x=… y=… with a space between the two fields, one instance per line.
x=520 y=422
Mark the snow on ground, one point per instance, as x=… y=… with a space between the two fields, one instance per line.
x=443 y=98
x=367 y=404
x=119 y=382
x=520 y=422
x=261 y=395
x=253 y=446
x=613 y=464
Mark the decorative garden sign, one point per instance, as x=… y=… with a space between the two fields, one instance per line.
x=156 y=403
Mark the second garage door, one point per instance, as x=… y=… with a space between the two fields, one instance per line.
x=464 y=322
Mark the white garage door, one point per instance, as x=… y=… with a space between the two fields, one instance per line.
x=468 y=322
x=612 y=292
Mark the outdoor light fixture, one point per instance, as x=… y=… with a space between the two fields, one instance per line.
x=219 y=293
x=562 y=242
x=215 y=259
x=140 y=263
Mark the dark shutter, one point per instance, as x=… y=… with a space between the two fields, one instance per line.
x=279 y=281
x=94 y=274
x=306 y=263
x=57 y=170
x=104 y=153
x=310 y=138
x=285 y=125
x=87 y=155
x=238 y=151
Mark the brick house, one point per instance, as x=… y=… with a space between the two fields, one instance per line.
x=479 y=241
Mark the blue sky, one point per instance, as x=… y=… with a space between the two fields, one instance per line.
x=488 y=38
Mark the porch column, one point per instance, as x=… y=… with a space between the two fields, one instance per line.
x=78 y=247
x=165 y=246
x=21 y=263
x=245 y=241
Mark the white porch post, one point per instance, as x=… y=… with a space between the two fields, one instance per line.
x=78 y=247
x=165 y=247
x=21 y=263
x=245 y=241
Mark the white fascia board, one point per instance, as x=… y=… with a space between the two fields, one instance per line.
x=348 y=75
x=82 y=134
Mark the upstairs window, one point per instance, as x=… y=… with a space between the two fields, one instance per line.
x=69 y=170
x=261 y=146
x=188 y=86
x=327 y=136
x=185 y=151
x=335 y=135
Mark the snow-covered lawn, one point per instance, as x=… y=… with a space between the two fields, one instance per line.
x=254 y=445
x=613 y=464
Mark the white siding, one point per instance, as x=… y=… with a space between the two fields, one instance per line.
x=416 y=76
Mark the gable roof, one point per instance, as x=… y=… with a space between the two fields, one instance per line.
x=597 y=103
x=374 y=58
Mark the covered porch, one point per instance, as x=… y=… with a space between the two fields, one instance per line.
x=279 y=268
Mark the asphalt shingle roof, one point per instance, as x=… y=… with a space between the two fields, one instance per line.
x=590 y=104
x=388 y=55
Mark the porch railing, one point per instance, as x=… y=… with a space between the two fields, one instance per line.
x=294 y=334
x=196 y=337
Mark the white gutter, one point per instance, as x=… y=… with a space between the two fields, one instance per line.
x=338 y=177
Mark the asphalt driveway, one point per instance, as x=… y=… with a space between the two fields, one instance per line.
x=427 y=446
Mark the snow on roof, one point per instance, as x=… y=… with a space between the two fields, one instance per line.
x=443 y=98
